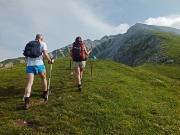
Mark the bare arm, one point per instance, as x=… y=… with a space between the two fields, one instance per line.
x=87 y=52
x=47 y=56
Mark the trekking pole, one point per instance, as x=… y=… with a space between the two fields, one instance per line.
x=70 y=65
x=91 y=60
x=91 y=65
x=71 y=72
x=50 y=74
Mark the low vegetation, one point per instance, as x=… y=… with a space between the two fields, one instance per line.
x=171 y=46
x=116 y=99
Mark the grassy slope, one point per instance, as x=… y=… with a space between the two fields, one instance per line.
x=117 y=99
x=171 y=46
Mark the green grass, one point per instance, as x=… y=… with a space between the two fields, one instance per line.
x=169 y=70
x=117 y=99
x=171 y=45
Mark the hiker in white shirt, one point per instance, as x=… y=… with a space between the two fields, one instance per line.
x=36 y=66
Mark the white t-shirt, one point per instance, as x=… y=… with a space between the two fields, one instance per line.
x=39 y=60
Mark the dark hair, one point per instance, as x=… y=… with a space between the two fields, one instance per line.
x=78 y=39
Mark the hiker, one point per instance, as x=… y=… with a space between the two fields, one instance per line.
x=35 y=65
x=79 y=54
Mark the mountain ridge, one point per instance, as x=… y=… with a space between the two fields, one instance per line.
x=139 y=44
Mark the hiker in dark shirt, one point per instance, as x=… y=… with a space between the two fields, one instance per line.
x=79 y=54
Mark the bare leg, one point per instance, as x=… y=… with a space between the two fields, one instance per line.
x=44 y=81
x=81 y=73
x=78 y=75
x=44 y=85
x=30 y=79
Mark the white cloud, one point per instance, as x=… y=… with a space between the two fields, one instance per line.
x=122 y=28
x=59 y=21
x=171 y=21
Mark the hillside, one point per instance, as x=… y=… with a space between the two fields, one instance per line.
x=116 y=99
x=140 y=44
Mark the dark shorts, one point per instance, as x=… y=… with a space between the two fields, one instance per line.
x=35 y=69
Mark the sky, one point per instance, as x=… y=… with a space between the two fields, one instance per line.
x=61 y=21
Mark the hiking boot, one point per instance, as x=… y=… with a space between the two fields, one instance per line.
x=79 y=87
x=45 y=95
x=27 y=104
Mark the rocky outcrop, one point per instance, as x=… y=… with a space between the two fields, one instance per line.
x=11 y=62
x=138 y=45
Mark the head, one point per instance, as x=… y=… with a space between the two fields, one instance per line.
x=78 y=39
x=39 y=37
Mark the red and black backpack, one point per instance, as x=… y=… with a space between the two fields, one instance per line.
x=78 y=52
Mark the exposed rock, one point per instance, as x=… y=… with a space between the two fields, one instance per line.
x=169 y=61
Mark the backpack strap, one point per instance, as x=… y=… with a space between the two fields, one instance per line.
x=83 y=51
x=83 y=47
